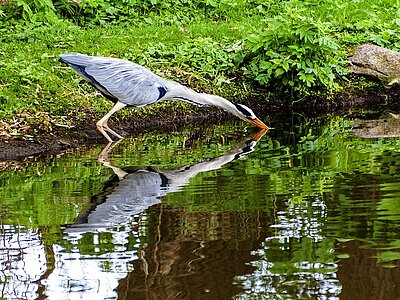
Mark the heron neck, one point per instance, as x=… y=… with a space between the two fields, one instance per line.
x=219 y=102
x=183 y=93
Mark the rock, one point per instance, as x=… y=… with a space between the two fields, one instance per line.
x=379 y=128
x=378 y=62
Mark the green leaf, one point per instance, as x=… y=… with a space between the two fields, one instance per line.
x=264 y=65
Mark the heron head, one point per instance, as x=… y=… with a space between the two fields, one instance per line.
x=237 y=109
x=246 y=114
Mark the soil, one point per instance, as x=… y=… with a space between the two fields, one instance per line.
x=87 y=134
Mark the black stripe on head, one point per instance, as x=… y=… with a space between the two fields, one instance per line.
x=245 y=111
x=246 y=150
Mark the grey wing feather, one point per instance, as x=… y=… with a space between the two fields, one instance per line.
x=77 y=58
x=128 y=82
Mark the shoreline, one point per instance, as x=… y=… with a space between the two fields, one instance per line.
x=87 y=134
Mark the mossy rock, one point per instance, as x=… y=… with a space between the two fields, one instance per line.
x=379 y=62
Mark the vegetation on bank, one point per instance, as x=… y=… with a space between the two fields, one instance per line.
x=296 y=48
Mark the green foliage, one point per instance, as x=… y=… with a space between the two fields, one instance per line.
x=203 y=56
x=29 y=10
x=105 y=12
x=294 y=50
x=291 y=45
x=302 y=44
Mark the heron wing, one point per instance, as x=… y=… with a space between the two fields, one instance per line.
x=128 y=82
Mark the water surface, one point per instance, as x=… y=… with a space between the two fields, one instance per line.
x=310 y=210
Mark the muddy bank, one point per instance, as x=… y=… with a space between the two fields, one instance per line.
x=378 y=99
x=85 y=133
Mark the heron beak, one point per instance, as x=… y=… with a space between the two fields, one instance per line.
x=257 y=122
x=258 y=135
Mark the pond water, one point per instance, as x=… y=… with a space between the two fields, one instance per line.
x=308 y=210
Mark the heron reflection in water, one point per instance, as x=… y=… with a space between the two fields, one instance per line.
x=131 y=190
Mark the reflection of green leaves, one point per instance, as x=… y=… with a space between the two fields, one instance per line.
x=305 y=169
x=52 y=193
x=45 y=194
x=387 y=256
x=343 y=240
x=317 y=163
x=395 y=244
x=343 y=255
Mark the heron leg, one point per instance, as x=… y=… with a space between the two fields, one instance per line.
x=102 y=123
x=108 y=129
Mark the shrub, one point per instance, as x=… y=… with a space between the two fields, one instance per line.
x=28 y=10
x=104 y=12
x=295 y=50
x=202 y=56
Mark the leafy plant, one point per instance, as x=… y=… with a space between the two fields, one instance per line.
x=203 y=56
x=295 y=50
x=289 y=45
x=106 y=12
x=29 y=10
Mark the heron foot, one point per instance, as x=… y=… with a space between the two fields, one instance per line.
x=103 y=128
x=102 y=123
x=113 y=132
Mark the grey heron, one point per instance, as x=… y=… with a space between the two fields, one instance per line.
x=128 y=84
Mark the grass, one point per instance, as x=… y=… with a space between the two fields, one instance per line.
x=213 y=46
x=34 y=81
